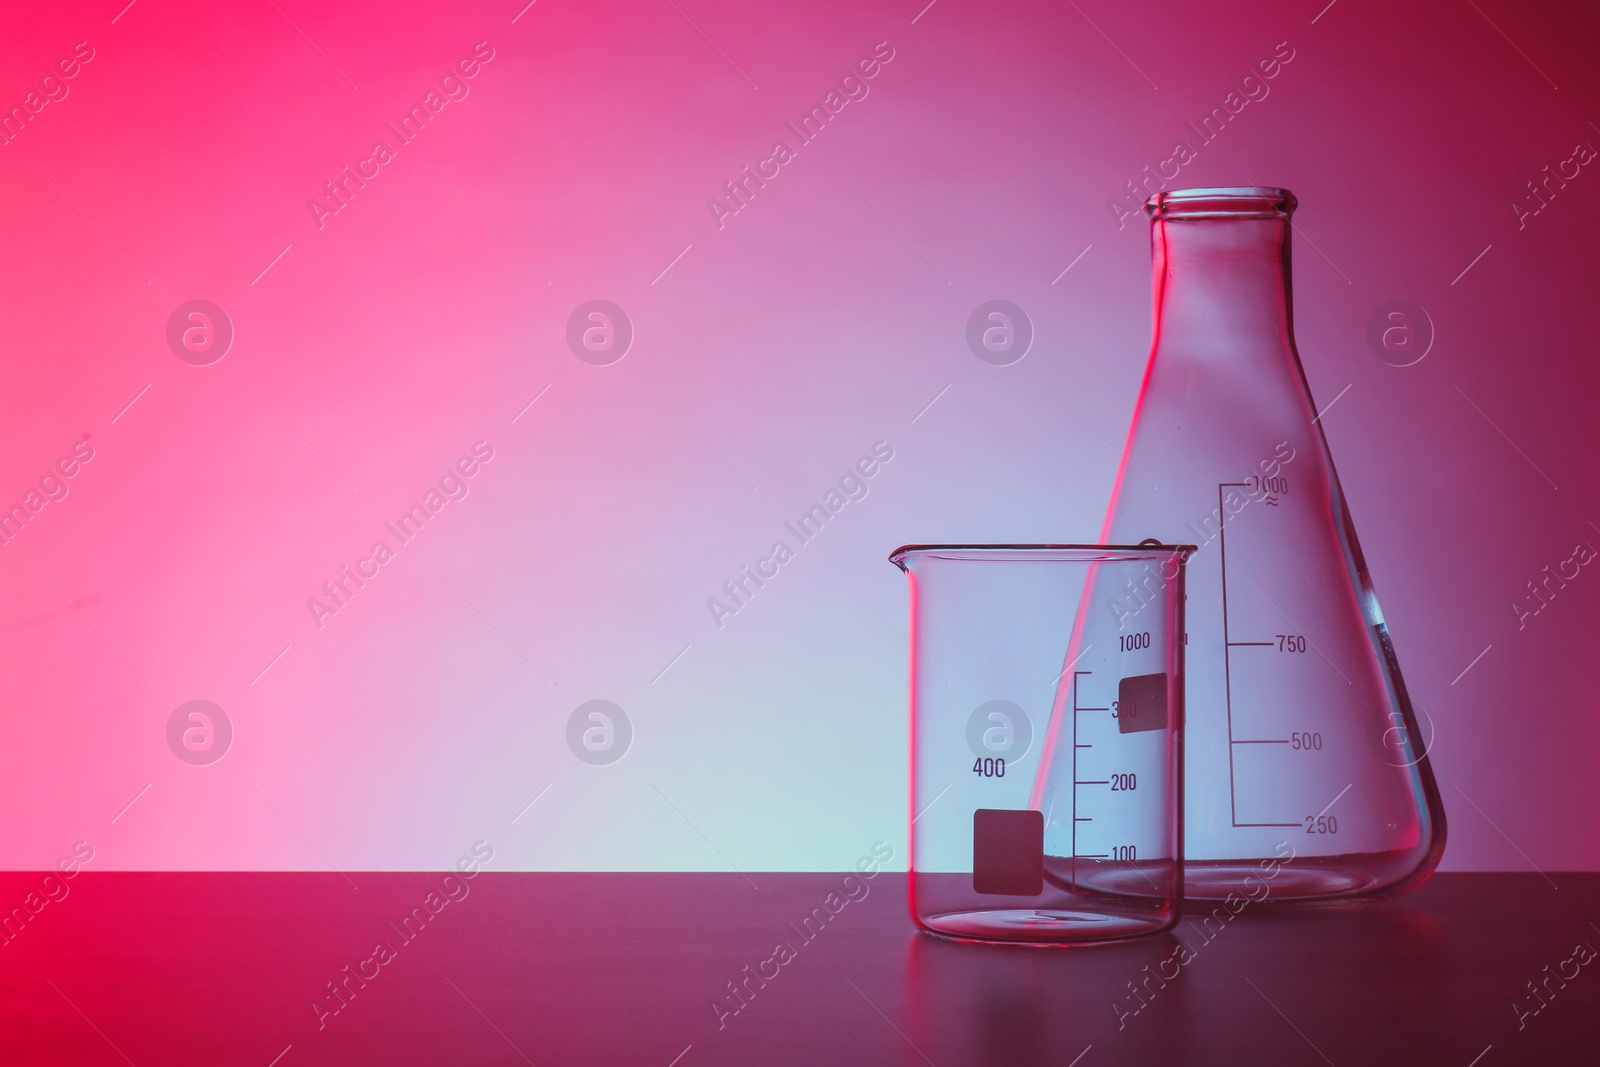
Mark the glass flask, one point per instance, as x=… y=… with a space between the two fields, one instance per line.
x=1100 y=857
x=1302 y=749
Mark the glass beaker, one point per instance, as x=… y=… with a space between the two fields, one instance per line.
x=1099 y=856
x=1302 y=746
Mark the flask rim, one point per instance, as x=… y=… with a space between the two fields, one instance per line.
x=1233 y=202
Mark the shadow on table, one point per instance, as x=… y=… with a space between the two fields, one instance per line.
x=1352 y=982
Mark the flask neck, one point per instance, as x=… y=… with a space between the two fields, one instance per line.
x=1221 y=285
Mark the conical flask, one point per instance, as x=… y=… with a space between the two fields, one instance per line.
x=1305 y=776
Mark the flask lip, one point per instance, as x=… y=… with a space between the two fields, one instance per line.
x=1237 y=202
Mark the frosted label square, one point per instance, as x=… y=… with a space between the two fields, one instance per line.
x=1142 y=703
x=1007 y=852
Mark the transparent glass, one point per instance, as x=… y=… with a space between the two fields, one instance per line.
x=1302 y=745
x=1099 y=856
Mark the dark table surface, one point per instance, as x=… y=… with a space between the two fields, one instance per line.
x=554 y=969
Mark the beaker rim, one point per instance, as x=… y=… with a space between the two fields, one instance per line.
x=1231 y=202
x=1044 y=552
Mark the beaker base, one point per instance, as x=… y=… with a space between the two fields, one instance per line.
x=1043 y=926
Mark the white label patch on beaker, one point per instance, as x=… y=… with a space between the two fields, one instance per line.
x=1141 y=703
x=1008 y=852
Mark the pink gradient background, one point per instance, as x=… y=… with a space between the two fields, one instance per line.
x=793 y=338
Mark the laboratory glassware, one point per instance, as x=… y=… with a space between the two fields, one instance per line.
x=1099 y=857
x=1302 y=747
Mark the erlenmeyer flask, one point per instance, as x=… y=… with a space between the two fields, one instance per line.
x=1304 y=771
